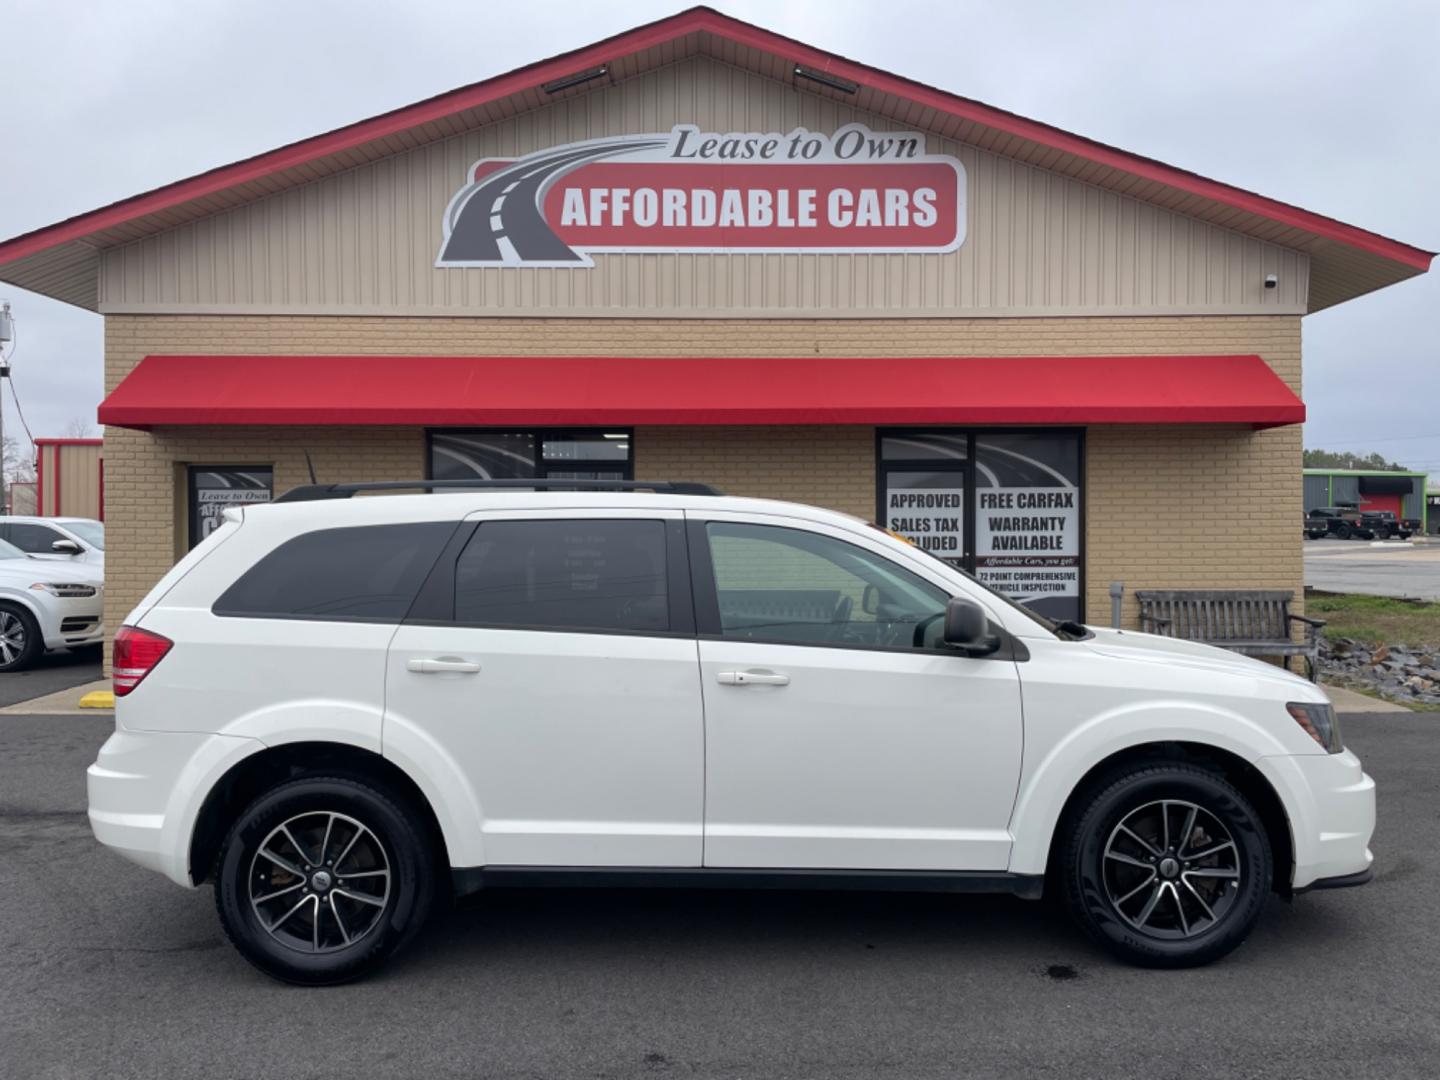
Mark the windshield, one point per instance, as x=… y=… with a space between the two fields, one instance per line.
x=10 y=551
x=92 y=532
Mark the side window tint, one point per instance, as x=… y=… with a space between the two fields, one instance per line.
x=802 y=588
x=35 y=539
x=577 y=574
x=369 y=572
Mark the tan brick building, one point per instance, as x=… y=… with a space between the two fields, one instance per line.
x=571 y=270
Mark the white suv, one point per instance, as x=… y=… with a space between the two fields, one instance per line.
x=339 y=711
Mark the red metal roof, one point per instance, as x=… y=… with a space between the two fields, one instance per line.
x=590 y=390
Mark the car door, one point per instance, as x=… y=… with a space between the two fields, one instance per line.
x=839 y=733
x=552 y=657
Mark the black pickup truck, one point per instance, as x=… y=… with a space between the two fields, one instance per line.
x=1347 y=522
x=1383 y=524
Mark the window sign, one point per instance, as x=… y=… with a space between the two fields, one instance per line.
x=1003 y=505
x=1027 y=519
x=214 y=487
x=927 y=508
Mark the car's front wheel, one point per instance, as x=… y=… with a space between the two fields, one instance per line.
x=1167 y=865
x=20 y=641
x=321 y=879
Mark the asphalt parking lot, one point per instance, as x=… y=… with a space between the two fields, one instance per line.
x=109 y=971
x=1375 y=569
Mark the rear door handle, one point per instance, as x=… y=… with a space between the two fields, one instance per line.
x=439 y=664
x=752 y=678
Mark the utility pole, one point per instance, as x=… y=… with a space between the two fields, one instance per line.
x=7 y=335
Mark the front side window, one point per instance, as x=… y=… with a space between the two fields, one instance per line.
x=581 y=574
x=803 y=588
x=367 y=573
x=35 y=539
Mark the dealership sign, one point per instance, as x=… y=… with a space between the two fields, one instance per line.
x=691 y=191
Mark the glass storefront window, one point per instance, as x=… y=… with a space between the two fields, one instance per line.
x=480 y=454
x=1004 y=505
x=214 y=487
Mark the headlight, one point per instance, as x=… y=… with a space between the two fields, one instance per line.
x=1319 y=722
x=67 y=589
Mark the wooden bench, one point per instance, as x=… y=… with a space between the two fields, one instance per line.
x=1252 y=622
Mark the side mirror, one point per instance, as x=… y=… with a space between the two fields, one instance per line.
x=65 y=547
x=870 y=600
x=966 y=626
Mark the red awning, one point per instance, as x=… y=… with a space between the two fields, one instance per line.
x=601 y=390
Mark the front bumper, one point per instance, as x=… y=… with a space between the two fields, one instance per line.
x=146 y=789
x=1331 y=804
x=71 y=621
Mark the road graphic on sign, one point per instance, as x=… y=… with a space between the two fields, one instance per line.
x=498 y=220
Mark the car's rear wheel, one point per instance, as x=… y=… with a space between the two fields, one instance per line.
x=20 y=641
x=321 y=879
x=1166 y=865
x=1342 y=532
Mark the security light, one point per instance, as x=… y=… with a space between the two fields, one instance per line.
x=825 y=79
x=1271 y=281
x=579 y=78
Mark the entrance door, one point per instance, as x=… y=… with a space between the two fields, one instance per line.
x=555 y=663
x=839 y=734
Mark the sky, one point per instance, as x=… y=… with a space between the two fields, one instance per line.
x=1328 y=104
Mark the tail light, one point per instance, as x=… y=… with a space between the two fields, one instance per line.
x=136 y=654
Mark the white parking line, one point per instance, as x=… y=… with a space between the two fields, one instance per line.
x=496 y=223
x=495 y=206
x=512 y=187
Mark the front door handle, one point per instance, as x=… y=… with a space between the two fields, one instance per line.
x=752 y=678
x=437 y=665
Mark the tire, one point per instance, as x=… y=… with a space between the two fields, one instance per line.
x=20 y=641
x=1095 y=886
x=354 y=937
x=1342 y=532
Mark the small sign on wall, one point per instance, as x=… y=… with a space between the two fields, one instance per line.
x=690 y=190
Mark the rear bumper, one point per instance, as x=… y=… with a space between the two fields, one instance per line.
x=146 y=789
x=1331 y=804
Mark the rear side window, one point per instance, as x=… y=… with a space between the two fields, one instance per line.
x=581 y=574
x=368 y=573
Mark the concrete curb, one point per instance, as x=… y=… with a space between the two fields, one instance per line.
x=66 y=702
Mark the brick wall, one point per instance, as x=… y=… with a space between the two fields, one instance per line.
x=1167 y=506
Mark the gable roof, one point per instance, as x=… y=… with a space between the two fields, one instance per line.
x=62 y=260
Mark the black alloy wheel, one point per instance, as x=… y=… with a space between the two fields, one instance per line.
x=1166 y=865
x=323 y=878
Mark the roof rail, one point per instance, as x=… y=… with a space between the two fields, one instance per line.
x=315 y=492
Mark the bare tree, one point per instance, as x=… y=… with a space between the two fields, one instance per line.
x=78 y=428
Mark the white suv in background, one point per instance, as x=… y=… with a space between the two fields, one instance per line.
x=47 y=605
x=71 y=539
x=339 y=711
